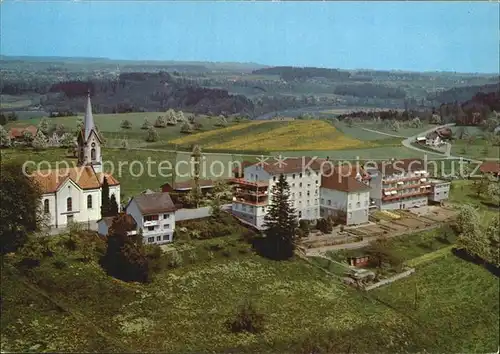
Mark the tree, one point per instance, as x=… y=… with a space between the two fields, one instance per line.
x=20 y=209
x=4 y=137
x=160 y=122
x=481 y=185
x=60 y=129
x=494 y=192
x=105 y=201
x=43 y=126
x=124 y=144
x=152 y=135
x=222 y=190
x=40 y=142
x=186 y=128
x=216 y=208
x=192 y=119
x=126 y=257
x=471 y=239
x=28 y=137
x=395 y=125
x=179 y=117
x=435 y=119
x=416 y=123
x=280 y=223
x=170 y=117
x=221 y=121
x=380 y=253
x=247 y=319
x=125 y=124
x=79 y=125
x=67 y=140
x=493 y=235
x=113 y=206
x=146 y=124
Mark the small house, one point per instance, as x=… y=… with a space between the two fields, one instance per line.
x=105 y=223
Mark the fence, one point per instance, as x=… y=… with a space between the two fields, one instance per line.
x=391 y=279
x=198 y=213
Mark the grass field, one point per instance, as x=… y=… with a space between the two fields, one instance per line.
x=109 y=126
x=357 y=131
x=184 y=310
x=270 y=136
x=479 y=149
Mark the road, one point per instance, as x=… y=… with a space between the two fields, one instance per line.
x=376 y=131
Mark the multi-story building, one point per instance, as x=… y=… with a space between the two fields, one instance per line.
x=154 y=214
x=344 y=196
x=253 y=191
x=400 y=184
x=440 y=190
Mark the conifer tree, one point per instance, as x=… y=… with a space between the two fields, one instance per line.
x=280 y=223
x=105 y=201
x=113 y=206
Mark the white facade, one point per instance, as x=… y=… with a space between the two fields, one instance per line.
x=355 y=205
x=304 y=195
x=157 y=228
x=72 y=203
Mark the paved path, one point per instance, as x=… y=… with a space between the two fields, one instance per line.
x=378 y=132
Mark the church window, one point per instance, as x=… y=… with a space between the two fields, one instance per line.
x=93 y=144
x=92 y=154
x=69 y=204
x=89 y=202
x=46 y=208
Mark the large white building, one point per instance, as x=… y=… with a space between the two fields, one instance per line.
x=253 y=192
x=74 y=194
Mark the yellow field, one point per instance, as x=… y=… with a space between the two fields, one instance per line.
x=197 y=138
x=292 y=135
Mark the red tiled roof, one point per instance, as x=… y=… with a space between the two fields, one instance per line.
x=85 y=177
x=490 y=167
x=108 y=220
x=18 y=132
x=340 y=182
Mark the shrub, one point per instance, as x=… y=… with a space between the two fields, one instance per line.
x=247 y=319
x=175 y=259
x=324 y=225
x=160 y=122
x=186 y=128
x=60 y=264
x=152 y=135
x=125 y=124
x=146 y=124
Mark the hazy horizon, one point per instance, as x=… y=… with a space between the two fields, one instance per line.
x=405 y=36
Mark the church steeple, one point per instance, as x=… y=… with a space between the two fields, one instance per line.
x=89 y=141
x=88 y=122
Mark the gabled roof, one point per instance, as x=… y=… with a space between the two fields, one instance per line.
x=84 y=177
x=108 y=220
x=18 y=132
x=112 y=181
x=153 y=203
x=188 y=185
x=342 y=182
x=490 y=167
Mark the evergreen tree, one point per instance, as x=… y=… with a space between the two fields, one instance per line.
x=280 y=223
x=113 y=206
x=216 y=207
x=105 y=201
x=125 y=257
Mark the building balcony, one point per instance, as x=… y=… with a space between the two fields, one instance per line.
x=151 y=223
x=402 y=187
x=257 y=193
x=244 y=182
x=404 y=179
x=406 y=195
x=250 y=202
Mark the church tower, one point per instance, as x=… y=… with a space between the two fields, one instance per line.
x=89 y=142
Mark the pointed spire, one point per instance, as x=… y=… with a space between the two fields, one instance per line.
x=88 y=122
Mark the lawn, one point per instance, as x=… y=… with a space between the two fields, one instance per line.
x=479 y=149
x=358 y=130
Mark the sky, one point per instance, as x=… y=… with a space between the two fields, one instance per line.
x=415 y=36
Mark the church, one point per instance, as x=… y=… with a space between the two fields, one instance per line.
x=74 y=194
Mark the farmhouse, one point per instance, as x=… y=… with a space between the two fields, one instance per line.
x=490 y=167
x=17 y=133
x=154 y=214
x=74 y=194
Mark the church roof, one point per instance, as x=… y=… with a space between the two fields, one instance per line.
x=88 y=121
x=85 y=177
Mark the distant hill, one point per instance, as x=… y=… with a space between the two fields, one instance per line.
x=136 y=92
x=462 y=94
x=289 y=73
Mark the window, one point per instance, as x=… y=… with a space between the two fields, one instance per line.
x=308 y=193
x=158 y=238
x=349 y=215
x=263 y=209
x=322 y=201
x=151 y=239
x=329 y=202
x=46 y=206
x=293 y=195
x=349 y=206
x=89 y=202
x=316 y=201
x=308 y=173
x=309 y=185
x=151 y=228
x=300 y=194
x=300 y=184
x=166 y=237
x=300 y=214
x=293 y=185
x=293 y=176
x=69 y=204
x=358 y=204
x=166 y=226
x=166 y=216
x=317 y=182
x=308 y=202
x=92 y=154
x=300 y=175
x=151 y=218
x=274 y=178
